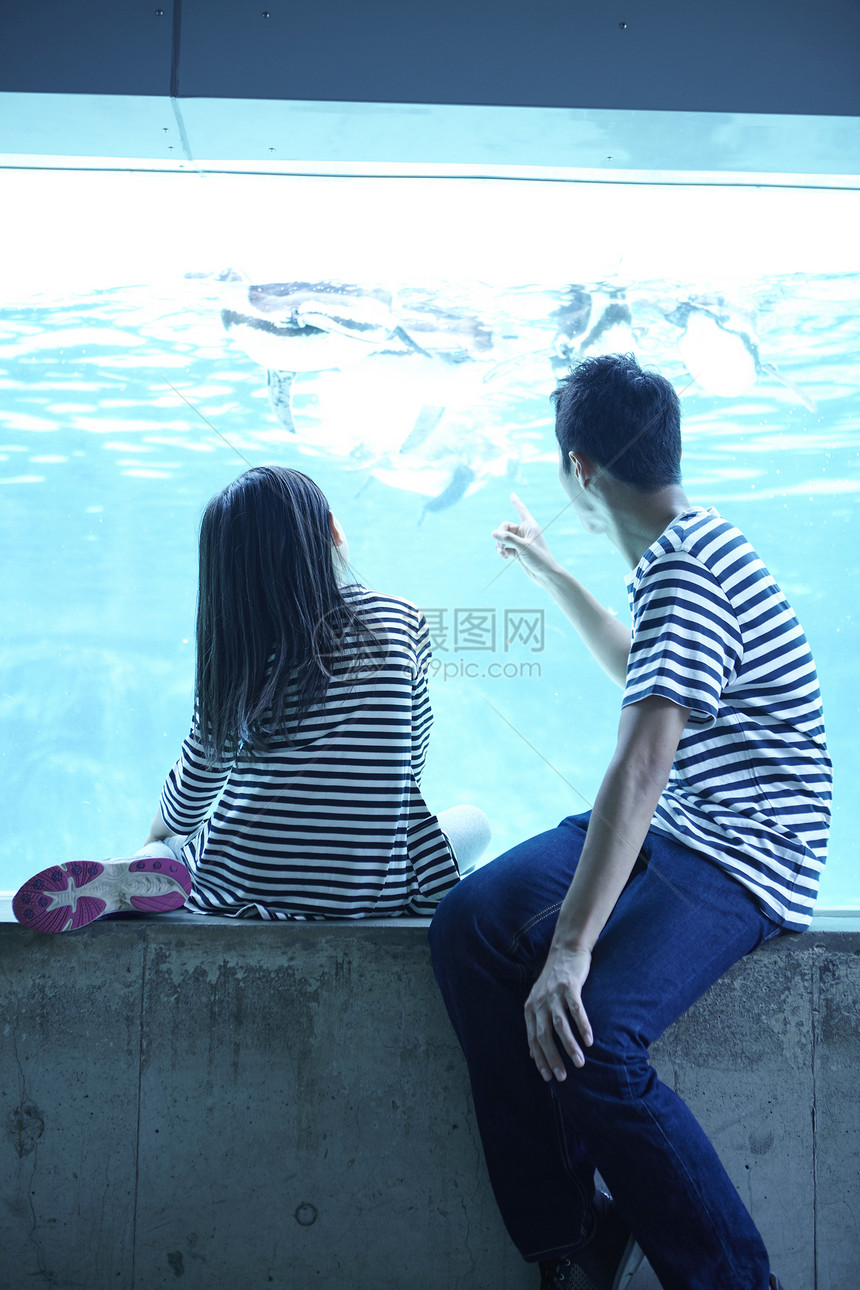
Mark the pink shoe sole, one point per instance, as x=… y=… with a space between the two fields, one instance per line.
x=68 y=896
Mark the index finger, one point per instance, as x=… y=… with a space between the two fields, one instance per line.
x=523 y=511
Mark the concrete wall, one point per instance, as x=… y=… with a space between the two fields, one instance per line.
x=199 y=1103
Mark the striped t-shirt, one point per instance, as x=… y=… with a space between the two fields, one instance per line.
x=330 y=822
x=750 y=785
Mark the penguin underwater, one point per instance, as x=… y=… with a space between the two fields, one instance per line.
x=296 y=328
x=719 y=348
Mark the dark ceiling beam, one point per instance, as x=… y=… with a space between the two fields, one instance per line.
x=745 y=56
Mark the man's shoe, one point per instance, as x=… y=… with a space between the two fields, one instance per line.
x=68 y=896
x=607 y=1262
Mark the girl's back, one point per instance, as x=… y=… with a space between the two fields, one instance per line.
x=296 y=794
x=329 y=820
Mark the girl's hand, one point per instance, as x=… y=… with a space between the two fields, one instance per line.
x=525 y=543
x=554 y=1007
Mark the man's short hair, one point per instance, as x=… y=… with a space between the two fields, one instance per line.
x=628 y=421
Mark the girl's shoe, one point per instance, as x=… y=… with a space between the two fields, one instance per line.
x=68 y=896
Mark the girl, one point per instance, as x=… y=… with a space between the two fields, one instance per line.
x=296 y=794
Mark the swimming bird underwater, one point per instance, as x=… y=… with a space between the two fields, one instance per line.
x=719 y=348
x=611 y=330
x=424 y=354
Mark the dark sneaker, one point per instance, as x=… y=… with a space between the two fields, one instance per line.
x=607 y=1262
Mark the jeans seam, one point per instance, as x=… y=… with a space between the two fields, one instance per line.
x=527 y=927
x=636 y=1100
x=561 y=1139
x=703 y=1204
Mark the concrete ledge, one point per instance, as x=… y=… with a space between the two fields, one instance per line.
x=206 y=1103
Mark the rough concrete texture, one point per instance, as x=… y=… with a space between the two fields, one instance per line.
x=201 y=1103
x=836 y=1002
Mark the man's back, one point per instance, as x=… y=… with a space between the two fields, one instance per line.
x=750 y=787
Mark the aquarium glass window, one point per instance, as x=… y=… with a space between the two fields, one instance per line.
x=398 y=340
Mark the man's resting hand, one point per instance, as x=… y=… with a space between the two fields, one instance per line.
x=554 y=1008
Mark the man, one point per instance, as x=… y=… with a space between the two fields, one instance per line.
x=706 y=840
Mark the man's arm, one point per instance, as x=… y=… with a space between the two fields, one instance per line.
x=607 y=639
x=648 y=736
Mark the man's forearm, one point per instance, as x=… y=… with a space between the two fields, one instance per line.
x=648 y=735
x=619 y=822
x=607 y=639
x=648 y=738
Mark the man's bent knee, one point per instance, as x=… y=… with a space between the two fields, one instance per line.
x=454 y=919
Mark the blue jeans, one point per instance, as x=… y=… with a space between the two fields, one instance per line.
x=679 y=924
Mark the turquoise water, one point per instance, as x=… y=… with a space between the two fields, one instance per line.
x=125 y=409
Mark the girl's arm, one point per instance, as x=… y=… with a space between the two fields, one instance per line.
x=158 y=830
x=422 y=715
x=190 y=791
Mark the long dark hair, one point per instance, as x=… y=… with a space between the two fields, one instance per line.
x=270 y=610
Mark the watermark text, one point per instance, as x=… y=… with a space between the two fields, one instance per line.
x=477 y=628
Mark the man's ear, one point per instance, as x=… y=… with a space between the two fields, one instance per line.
x=583 y=467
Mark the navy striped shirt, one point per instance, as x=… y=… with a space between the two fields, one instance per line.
x=750 y=785
x=330 y=822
